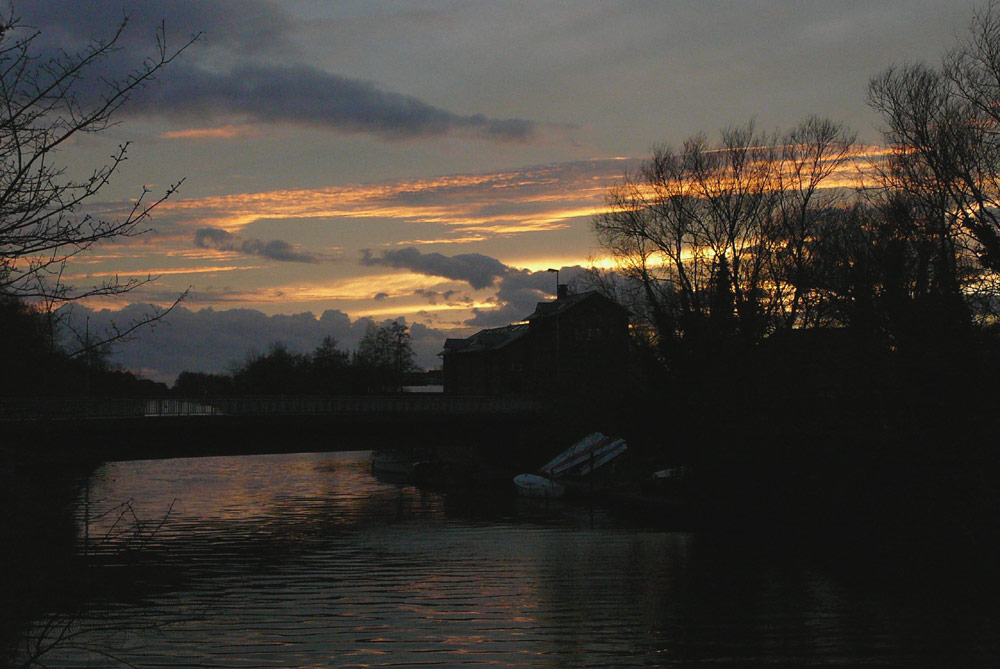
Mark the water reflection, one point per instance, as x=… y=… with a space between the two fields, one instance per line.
x=308 y=560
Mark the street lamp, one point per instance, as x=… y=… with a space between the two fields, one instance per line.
x=557 y=327
x=557 y=280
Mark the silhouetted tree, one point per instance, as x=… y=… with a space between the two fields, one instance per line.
x=722 y=303
x=34 y=365
x=740 y=218
x=46 y=100
x=277 y=372
x=329 y=369
x=203 y=384
x=940 y=184
x=810 y=157
x=384 y=354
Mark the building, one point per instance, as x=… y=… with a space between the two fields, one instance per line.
x=574 y=343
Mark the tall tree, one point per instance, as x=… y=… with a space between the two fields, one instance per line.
x=809 y=159
x=384 y=354
x=941 y=181
x=732 y=223
x=47 y=99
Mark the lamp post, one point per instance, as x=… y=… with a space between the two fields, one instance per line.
x=557 y=280
x=557 y=326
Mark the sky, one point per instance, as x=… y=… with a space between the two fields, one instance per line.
x=427 y=160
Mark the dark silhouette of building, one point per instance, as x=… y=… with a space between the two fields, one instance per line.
x=574 y=343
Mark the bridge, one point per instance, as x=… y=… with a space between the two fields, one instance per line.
x=62 y=429
x=411 y=405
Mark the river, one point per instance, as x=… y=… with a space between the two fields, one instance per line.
x=308 y=560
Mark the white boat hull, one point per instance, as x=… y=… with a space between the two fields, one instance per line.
x=532 y=485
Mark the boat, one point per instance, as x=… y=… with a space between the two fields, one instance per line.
x=585 y=456
x=533 y=485
x=579 y=460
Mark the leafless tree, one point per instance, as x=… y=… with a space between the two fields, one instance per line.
x=943 y=123
x=720 y=237
x=46 y=99
x=810 y=154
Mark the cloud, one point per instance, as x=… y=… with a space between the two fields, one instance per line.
x=456 y=208
x=517 y=290
x=476 y=269
x=276 y=249
x=219 y=132
x=304 y=95
x=210 y=340
x=433 y=296
x=248 y=71
x=263 y=27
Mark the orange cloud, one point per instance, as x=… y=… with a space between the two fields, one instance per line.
x=534 y=199
x=221 y=132
x=480 y=206
x=159 y=271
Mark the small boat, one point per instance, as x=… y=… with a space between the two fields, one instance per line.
x=578 y=460
x=533 y=485
x=585 y=456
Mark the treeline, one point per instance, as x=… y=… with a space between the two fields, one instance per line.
x=815 y=320
x=34 y=363
x=379 y=365
x=40 y=358
x=728 y=243
x=761 y=234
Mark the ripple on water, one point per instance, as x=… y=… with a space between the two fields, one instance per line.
x=308 y=560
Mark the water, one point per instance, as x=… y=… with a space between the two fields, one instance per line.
x=308 y=560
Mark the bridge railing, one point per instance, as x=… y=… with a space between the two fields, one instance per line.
x=366 y=405
x=342 y=405
x=69 y=407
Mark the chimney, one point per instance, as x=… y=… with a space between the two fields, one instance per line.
x=562 y=291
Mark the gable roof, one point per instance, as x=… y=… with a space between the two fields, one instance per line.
x=487 y=340
x=492 y=339
x=546 y=309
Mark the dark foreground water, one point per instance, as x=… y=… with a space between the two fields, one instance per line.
x=308 y=560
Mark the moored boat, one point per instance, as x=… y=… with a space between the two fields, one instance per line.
x=533 y=485
x=579 y=460
x=585 y=456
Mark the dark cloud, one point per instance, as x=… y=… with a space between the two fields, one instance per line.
x=519 y=292
x=380 y=296
x=276 y=249
x=254 y=72
x=491 y=318
x=263 y=27
x=476 y=269
x=304 y=95
x=210 y=340
x=434 y=296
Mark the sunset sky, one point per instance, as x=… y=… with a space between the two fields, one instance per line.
x=430 y=159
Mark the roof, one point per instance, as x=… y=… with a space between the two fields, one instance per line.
x=496 y=338
x=546 y=309
x=487 y=340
